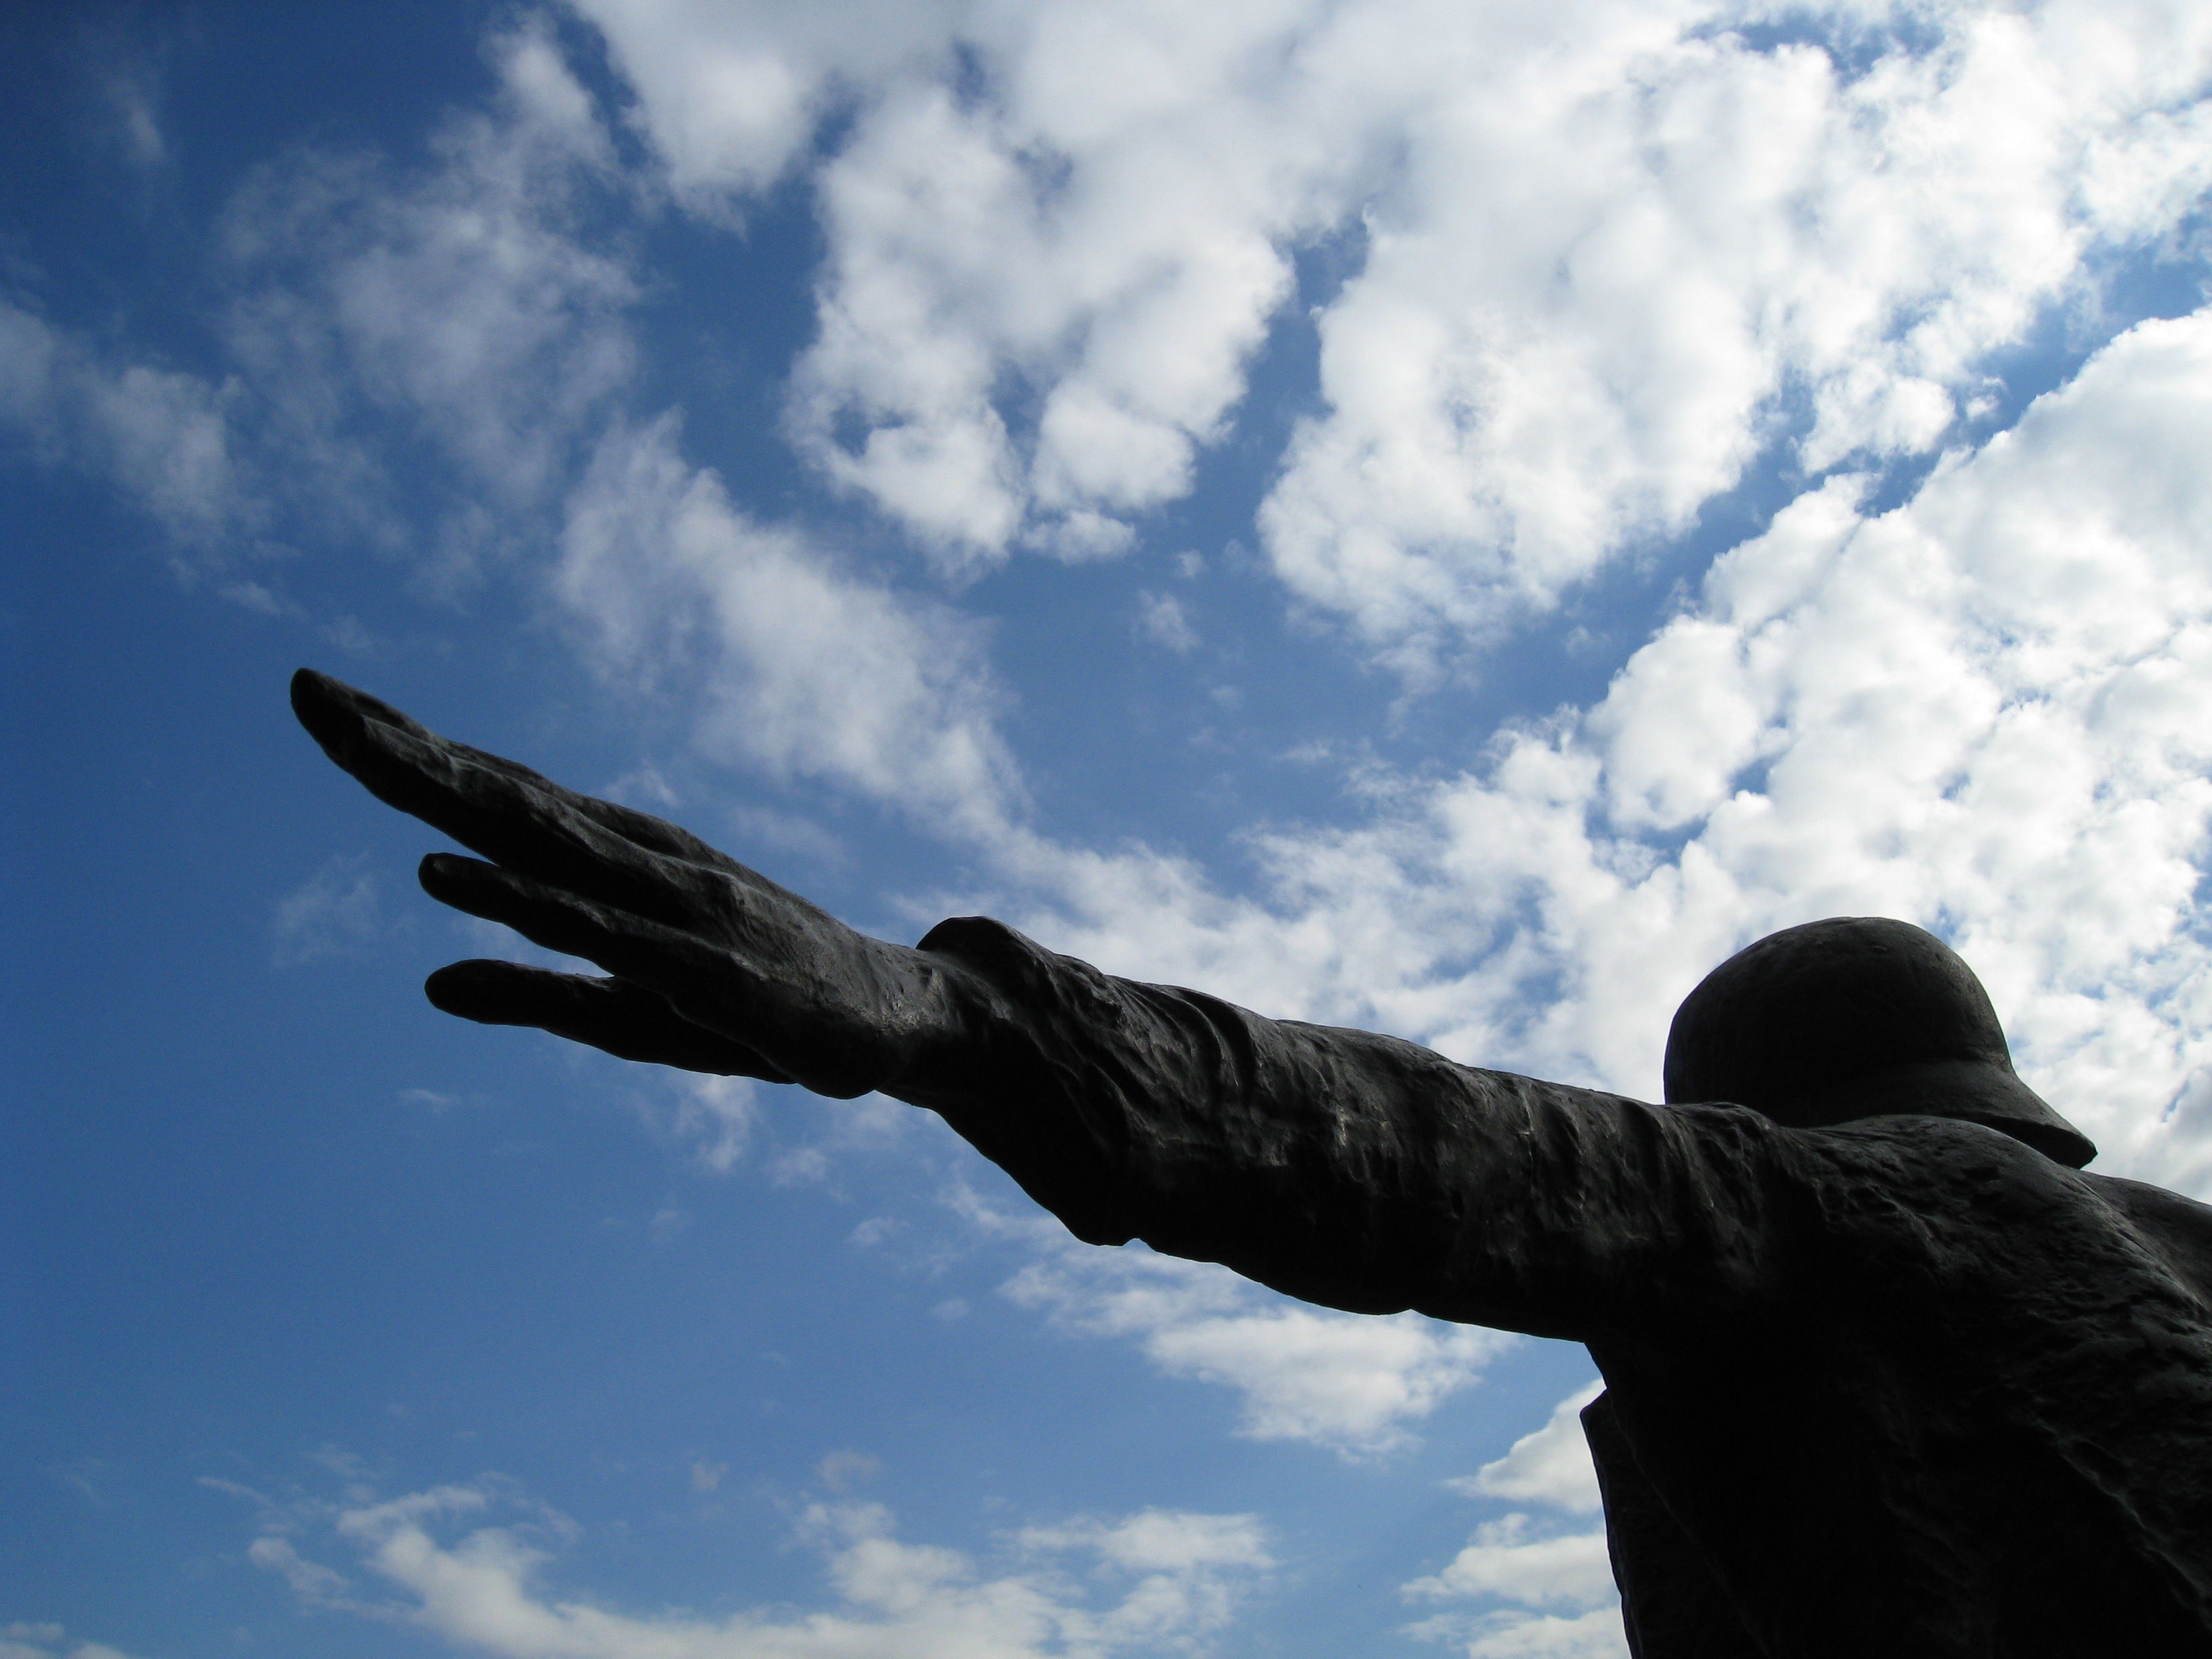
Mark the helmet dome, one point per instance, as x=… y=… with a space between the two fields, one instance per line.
x=1856 y=1017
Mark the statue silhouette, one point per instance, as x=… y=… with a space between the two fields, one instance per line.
x=1888 y=1374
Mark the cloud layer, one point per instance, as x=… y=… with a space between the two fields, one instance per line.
x=1608 y=253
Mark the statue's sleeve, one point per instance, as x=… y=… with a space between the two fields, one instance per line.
x=1346 y=1168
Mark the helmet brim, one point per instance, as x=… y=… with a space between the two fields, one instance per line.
x=1986 y=1092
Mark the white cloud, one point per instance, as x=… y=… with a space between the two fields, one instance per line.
x=463 y=300
x=1515 y=1635
x=310 y=1581
x=718 y=1116
x=729 y=96
x=474 y=303
x=1603 y=241
x=799 y=667
x=1162 y=1541
x=1166 y=1582
x=47 y=1641
x=1507 y=1558
x=1107 y=237
x=1162 y=619
x=166 y=438
x=1857 y=716
x=335 y=912
x=1353 y=1382
x=1518 y=1559
x=1550 y=1466
x=1101 y=221
x=1624 y=235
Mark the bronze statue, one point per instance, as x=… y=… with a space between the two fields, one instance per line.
x=1887 y=1375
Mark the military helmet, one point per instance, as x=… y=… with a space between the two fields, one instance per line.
x=1856 y=1017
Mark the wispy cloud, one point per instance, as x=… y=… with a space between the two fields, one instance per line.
x=1355 y=1383
x=461 y=300
x=1159 y=1581
x=164 y=437
x=50 y=1641
x=1163 y=619
x=338 y=911
x=130 y=88
x=794 y=663
x=369 y=307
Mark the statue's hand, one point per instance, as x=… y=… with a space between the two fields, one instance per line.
x=715 y=968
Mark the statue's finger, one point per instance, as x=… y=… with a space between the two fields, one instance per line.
x=518 y=818
x=633 y=947
x=343 y=719
x=491 y=804
x=794 y=1011
x=472 y=795
x=616 y=1015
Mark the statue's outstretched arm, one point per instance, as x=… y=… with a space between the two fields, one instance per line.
x=1349 y=1168
x=1360 y=1171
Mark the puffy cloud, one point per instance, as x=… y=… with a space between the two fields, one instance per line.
x=1551 y=1466
x=1096 y=230
x=1593 y=1635
x=1517 y=1559
x=1621 y=243
x=1173 y=1581
x=1105 y=237
x=1505 y=1559
x=1614 y=250
x=1618 y=242
x=1350 y=1382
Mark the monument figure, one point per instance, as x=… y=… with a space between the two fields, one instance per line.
x=1888 y=1376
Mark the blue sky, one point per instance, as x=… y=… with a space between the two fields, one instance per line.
x=1443 y=518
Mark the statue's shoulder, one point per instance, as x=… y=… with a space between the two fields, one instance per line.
x=1982 y=1177
x=2180 y=1228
